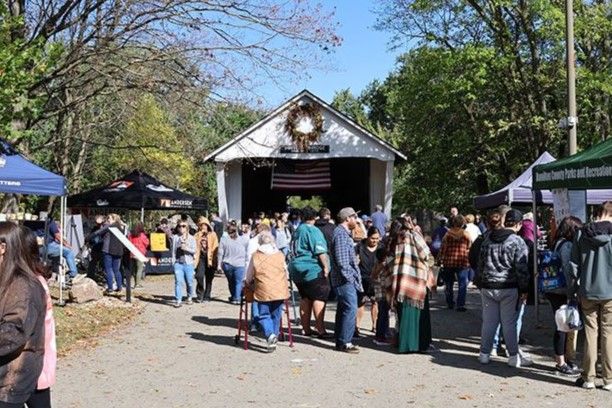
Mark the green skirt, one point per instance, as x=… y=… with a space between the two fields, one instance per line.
x=414 y=327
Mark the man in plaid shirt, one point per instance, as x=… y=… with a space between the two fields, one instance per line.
x=346 y=280
x=454 y=259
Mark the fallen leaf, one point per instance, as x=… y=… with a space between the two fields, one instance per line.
x=466 y=397
x=370 y=391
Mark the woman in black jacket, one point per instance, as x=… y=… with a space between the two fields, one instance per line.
x=22 y=317
x=112 y=251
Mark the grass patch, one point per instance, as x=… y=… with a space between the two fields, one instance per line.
x=79 y=326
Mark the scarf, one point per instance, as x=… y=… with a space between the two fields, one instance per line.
x=410 y=271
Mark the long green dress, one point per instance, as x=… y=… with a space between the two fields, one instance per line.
x=414 y=327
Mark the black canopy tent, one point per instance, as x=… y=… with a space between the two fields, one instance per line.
x=137 y=191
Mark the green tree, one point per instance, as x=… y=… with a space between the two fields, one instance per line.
x=480 y=93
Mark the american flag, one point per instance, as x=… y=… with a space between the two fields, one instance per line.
x=301 y=175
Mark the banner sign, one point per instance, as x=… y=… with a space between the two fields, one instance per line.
x=167 y=203
x=311 y=149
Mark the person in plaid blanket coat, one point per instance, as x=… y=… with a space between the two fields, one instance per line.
x=455 y=262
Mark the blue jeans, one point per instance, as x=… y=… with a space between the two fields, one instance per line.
x=112 y=268
x=183 y=272
x=346 y=313
x=382 y=320
x=462 y=276
x=254 y=311
x=235 y=276
x=270 y=314
x=53 y=249
x=519 y=326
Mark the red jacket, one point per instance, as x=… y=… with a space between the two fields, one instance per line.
x=141 y=242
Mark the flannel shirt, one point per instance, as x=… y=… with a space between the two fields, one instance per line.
x=454 y=251
x=345 y=267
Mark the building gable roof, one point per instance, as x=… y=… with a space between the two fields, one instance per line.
x=370 y=145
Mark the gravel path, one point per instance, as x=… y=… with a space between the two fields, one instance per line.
x=186 y=357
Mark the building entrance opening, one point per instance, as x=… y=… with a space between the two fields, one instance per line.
x=313 y=201
x=338 y=183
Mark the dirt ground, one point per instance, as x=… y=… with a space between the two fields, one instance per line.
x=186 y=357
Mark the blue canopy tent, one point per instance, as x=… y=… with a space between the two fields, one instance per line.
x=20 y=176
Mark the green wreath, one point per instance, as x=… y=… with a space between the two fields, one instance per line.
x=296 y=112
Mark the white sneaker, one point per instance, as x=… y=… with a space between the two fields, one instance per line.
x=514 y=361
x=271 y=342
x=484 y=358
x=493 y=352
x=607 y=387
x=526 y=360
x=587 y=385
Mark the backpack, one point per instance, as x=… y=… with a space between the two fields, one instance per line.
x=436 y=242
x=550 y=270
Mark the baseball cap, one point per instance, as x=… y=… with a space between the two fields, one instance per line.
x=346 y=212
x=513 y=217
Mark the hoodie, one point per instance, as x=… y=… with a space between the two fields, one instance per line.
x=455 y=248
x=592 y=261
x=502 y=262
x=212 y=245
x=528 y=231
x=327 y=228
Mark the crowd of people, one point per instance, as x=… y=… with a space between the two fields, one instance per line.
x=389 y=264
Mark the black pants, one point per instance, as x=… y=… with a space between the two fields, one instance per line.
x=95 y=263
x=204 y=277
x=38 y=399
x=556 y=301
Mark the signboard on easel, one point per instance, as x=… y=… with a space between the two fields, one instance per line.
x=126 y=243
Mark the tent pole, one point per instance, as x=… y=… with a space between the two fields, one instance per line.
x=536 y=300
x=62 y=274
x=142 y=214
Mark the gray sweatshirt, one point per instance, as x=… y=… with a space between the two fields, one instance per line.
x=183 y=256
x=233 y=251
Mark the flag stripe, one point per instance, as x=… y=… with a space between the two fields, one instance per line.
x=300 y=175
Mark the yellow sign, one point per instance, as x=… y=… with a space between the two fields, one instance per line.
x=158 y=242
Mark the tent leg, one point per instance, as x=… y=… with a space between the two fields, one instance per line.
x=141 y=214
x=535 y=258
x=62 y=272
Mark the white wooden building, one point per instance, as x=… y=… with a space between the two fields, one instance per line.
x=361 y=164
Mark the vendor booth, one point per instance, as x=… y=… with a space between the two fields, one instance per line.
x=519 y=191
x=137 y=191
x=589 y=170
x=140 y=191
x=20 y=176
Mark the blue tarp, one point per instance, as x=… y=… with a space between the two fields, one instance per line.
x=20 y=176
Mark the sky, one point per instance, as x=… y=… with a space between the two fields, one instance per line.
x=362 y=57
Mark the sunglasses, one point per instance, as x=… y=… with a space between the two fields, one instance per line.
x=182 y=226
